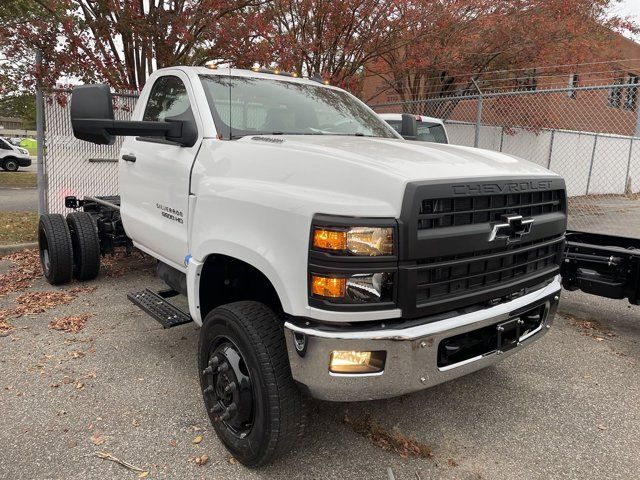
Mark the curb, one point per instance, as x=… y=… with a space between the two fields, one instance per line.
x=16 y=247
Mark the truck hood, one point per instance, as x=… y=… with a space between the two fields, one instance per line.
x=354 y=176
x=406 y=159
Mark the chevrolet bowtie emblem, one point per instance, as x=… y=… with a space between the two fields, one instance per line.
x=511 y=228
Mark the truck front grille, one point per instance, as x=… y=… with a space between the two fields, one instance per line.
x=450 y=257
x=448 y=212
x=458 y=277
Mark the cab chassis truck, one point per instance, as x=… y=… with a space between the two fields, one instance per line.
x=321 y=253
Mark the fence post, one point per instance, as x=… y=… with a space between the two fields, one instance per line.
x=40 y=134
x=627 y=191
x=476 y=140
x=593 y=156
x=553 y=136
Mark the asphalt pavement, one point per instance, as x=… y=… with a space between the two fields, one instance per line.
x=567 y=407
x=19 y=199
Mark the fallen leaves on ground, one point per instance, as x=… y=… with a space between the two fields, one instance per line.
x=71 y=324
x=97 y=439
x=34 y=303
x=198 y=439
x=590 y=328
x=394 y=441
x=38 y=302
x=114 y=265
x=5 y=327
x=201 y=460
x=25 y=269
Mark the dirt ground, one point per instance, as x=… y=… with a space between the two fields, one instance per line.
x=84 y=373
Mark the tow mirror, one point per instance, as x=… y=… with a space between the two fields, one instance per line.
x=409 y=127
x=92 y=120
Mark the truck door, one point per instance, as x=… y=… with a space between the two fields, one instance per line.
x=154 y=174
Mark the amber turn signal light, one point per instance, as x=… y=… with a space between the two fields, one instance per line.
x=329 y=239
x=329 y=287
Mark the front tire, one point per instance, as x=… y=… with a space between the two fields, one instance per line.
x=254 y=405
x=86 y=246
x=56 y=251
x=10 y=165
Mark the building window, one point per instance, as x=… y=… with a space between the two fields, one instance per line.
x=615 y=94
x=528 y=81
x=631 y=100
x=573 y=83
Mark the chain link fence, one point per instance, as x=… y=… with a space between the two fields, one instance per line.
x=74 y=167
x=589 y=135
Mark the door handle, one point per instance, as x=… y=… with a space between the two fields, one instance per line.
x=129 y=158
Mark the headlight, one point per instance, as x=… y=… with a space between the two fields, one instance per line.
x=353 y=288
x=23 y=151
x=361 y=241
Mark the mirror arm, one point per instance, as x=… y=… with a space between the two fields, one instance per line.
x=128 y=127
x=147 y=129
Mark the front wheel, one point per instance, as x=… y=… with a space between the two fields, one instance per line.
x=253 y=403
x=10 y=165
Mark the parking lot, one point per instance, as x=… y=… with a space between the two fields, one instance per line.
x=568 y=407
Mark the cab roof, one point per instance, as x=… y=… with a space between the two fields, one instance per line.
x=398 y=116
x=238 y=72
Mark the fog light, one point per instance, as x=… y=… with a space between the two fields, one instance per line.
x=357 y=362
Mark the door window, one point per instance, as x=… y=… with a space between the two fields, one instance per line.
x=168 y=98
x=4 y=145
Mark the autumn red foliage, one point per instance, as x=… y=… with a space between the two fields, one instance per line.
x=420 y=47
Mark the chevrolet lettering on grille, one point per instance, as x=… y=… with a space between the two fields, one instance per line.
x=512 y=228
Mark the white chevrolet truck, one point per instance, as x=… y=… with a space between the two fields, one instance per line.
x=321 y=253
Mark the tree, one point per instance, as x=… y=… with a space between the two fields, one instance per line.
x=455 y=41
x=329 y=38
x=21 y=105
x=122 y=42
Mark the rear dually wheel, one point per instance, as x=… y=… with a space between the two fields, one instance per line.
x=86 y=246
x=56 y=251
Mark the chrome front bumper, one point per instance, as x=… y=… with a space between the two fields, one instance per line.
x=412 y=352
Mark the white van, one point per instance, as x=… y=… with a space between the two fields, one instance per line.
x=12 y=157
x=430 y=129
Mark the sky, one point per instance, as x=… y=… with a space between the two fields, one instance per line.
x=628 y=7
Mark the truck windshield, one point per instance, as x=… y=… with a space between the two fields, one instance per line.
x=258 y=106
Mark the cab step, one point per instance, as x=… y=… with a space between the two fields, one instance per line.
x=167 y=314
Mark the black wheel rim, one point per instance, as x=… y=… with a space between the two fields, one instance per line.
x=228 y=392
x=45 y=258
